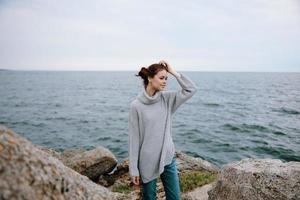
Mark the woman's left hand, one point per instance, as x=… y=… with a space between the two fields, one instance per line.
x=171 y=70
x=163 y=62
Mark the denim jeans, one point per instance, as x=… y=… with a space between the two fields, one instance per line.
x=170 y=181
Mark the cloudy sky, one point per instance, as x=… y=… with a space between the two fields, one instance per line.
x=200 y=35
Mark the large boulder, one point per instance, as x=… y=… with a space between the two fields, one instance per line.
x=91 y=163
x=200 y=193
x=258 y=179
x=186 y=162
x=26 y=172
x=49 y=151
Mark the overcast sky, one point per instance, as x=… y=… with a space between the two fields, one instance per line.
x=210 y=35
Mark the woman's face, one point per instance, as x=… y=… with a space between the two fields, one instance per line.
x=159 y=81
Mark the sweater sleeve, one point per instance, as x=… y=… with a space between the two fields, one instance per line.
x=188 y=89
x=134 y=138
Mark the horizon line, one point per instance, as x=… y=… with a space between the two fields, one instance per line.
x=3 y=69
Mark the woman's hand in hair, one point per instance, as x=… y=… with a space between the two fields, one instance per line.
x=171 y=70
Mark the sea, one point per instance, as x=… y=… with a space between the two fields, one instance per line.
x=233 y=115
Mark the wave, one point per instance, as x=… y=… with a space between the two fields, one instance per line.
x=25 y=123
x=259 y=142
x=212 y=104
x=287 y=111
x=104 y=138
x=58 y=118
x=247 y=128
x=237 y=128
x=201 y=140
x=278 y=152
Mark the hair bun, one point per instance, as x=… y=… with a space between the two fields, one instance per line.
x=144 y=72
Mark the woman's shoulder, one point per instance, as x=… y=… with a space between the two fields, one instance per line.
x=168 y=93
x=134 y=103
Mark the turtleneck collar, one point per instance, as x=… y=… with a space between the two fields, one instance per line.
x=146 y=99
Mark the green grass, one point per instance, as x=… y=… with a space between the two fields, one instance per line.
x=122 y=188
x=191 y=179
x=188 y=180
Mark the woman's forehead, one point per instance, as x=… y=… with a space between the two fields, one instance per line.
x=162 y=73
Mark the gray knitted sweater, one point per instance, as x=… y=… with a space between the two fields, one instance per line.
x=150 y=140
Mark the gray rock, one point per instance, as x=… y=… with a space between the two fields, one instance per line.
x=200 y=193
x=49 y=151
x=258 y=179
x=186 y=162
x=26 y=172
x=92 y=163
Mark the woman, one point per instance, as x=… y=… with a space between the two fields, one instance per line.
x=151 y=147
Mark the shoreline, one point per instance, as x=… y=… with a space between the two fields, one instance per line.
x=99 y=175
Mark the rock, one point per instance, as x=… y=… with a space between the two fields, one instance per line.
x=120 y=172
x=200 y=193
x=92 y=163
x=70 y=153
x=258 y=179
x=186 y=162
x=49 y=151
x=27 y=173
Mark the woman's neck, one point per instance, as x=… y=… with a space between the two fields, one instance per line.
x=150 y=91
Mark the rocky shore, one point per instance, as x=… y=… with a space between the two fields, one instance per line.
x=29 y=171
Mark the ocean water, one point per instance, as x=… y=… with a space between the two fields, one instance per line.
x=233 y=115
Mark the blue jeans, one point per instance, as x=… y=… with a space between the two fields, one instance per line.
x=170 y=181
